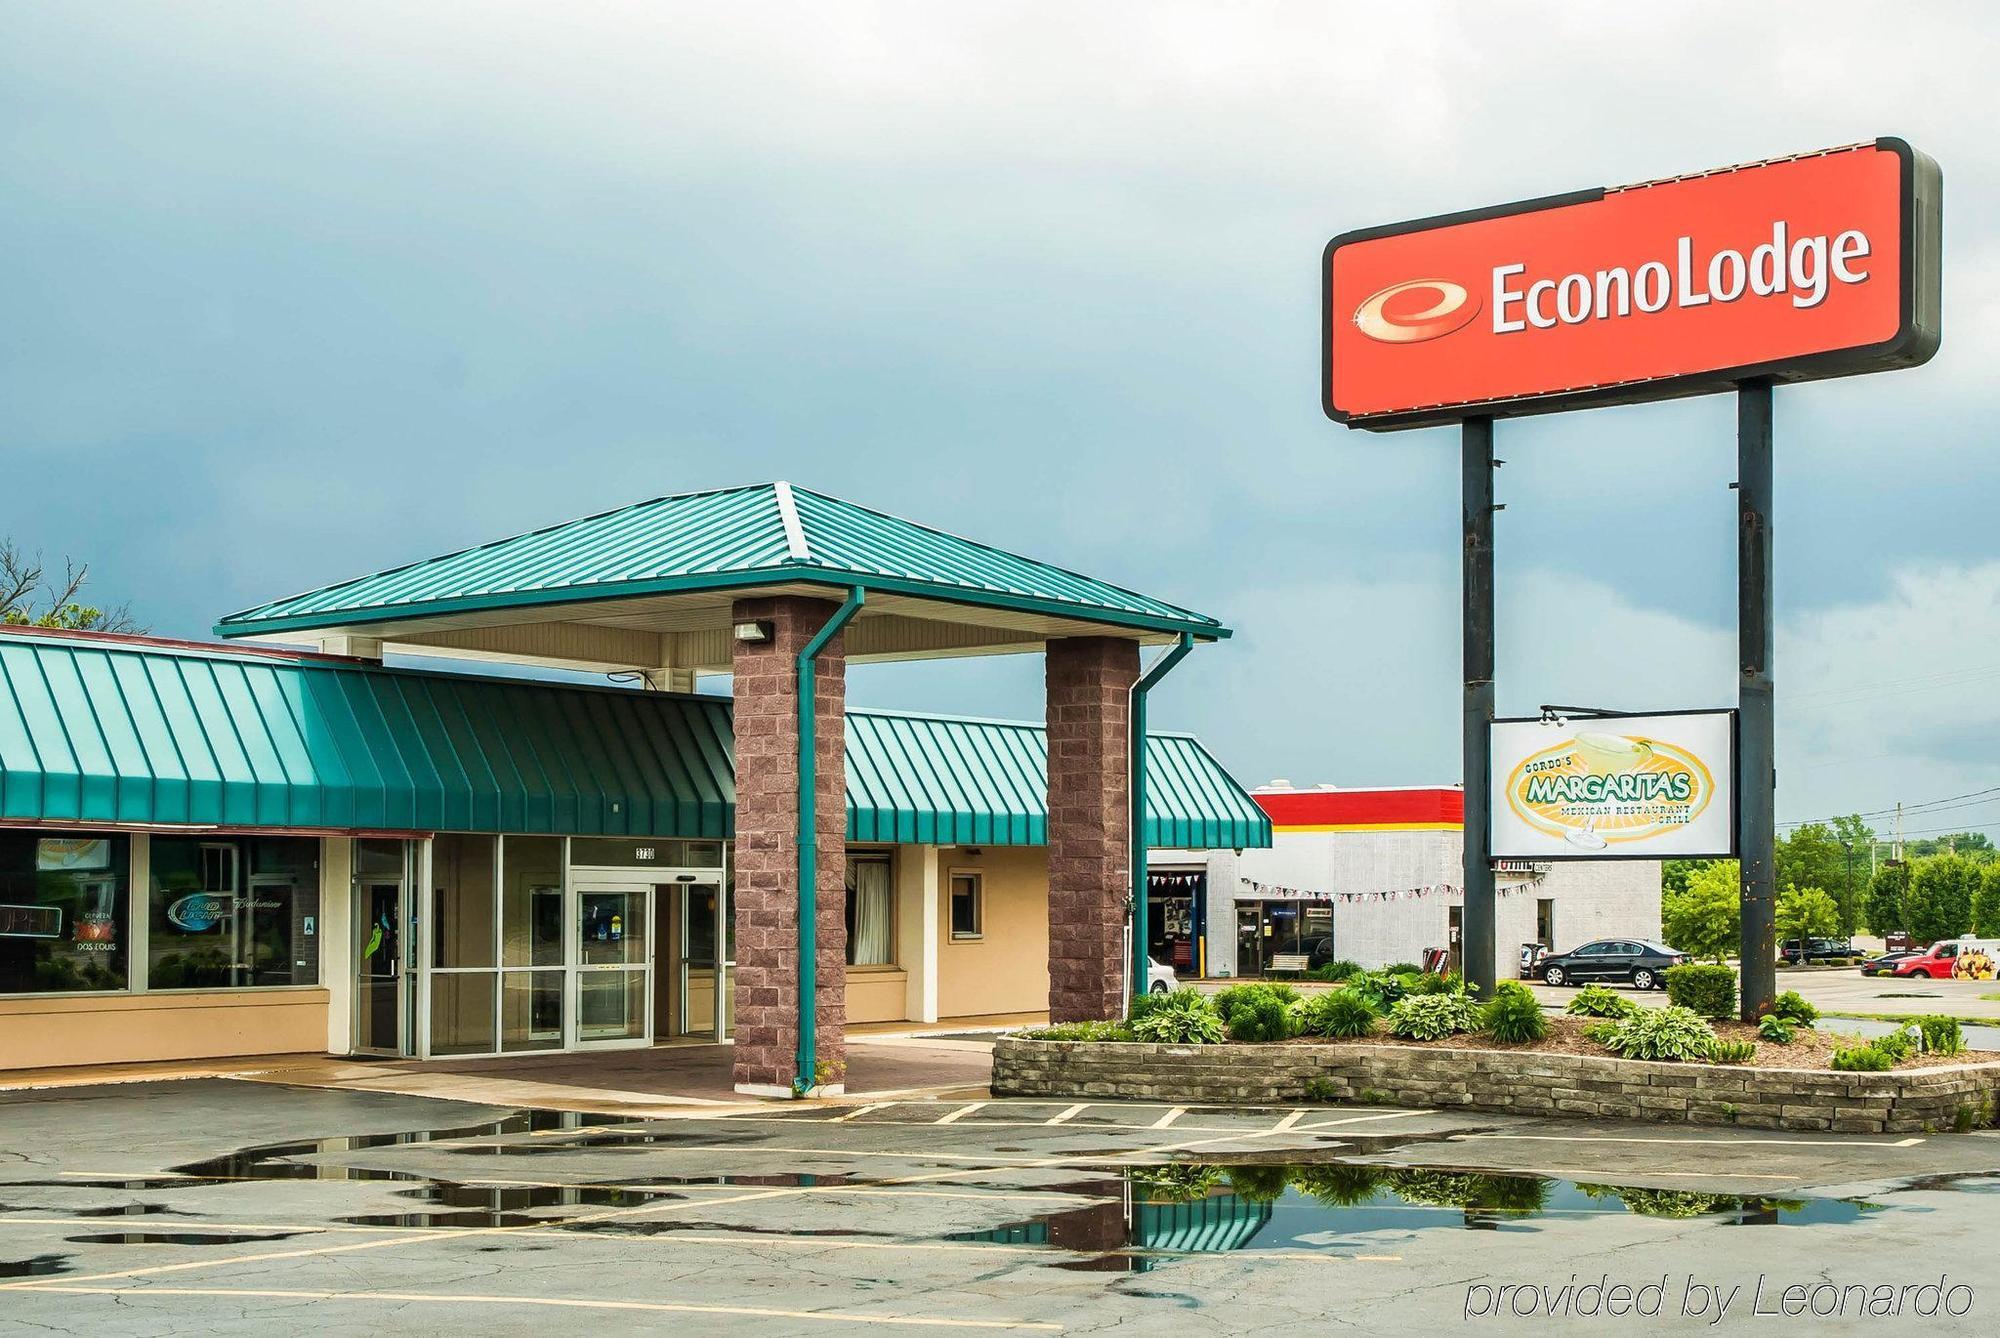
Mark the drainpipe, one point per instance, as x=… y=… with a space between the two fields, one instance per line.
x=1141 y=978
x=808 y=1060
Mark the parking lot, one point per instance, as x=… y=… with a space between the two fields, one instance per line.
x=238 y=1207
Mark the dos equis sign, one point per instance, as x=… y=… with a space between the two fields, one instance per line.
x=1638 y=787
x=1824 y=264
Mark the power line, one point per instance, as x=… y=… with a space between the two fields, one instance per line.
x=1928 y=806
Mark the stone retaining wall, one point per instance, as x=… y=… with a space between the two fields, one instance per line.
x=1593 y=1086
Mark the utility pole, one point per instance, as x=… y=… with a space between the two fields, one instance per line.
x=1757 y=773
x=1896 y=851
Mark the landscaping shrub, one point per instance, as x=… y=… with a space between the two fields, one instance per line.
x=1900 y=1044
x=1601 y=1032
x=1774 y=1028
x=1515 y=1015
x=1862 y=1059
x=1703 y=988
x=1672 y=1033
x=1081 y=1031
x=1432 y=1017
x=1941 y=1035
x=1600 y=1001
x=1403 y=969
x=1261 y=1012
x=1185 y=1017
x=1338 y=1013
x=1792 y=1006
x=1432 y=982
x=1381 y=988
x=1733 y=1052
x=1335 y=971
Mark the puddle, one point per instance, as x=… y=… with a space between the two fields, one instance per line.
x=39 y=1266
x=1156 y=1213
x=133 y=1210
x=181 y=1237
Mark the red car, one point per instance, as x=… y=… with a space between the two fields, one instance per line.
x=1942 y=960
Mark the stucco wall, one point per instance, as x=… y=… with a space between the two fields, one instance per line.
x=126 y=1028
x=1006 y=970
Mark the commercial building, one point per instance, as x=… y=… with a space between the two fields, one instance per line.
x=1378 y=873
x=212 y=850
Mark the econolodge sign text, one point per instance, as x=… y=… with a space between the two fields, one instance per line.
x=1820 y=265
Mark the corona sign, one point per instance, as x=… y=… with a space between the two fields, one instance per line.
x=1826 y=264
x=1639 y=787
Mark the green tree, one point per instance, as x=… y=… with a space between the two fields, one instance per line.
x=1976 y=846
x=1886 y=893
x=30 y=597
x=1705 y=917
x=1674 y=874
x=1939 y=902
x=1806 y=912
x=1986 y=906
x=1822 y=856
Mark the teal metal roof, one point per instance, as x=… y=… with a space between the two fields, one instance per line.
x=946 y=780
x=738 y=538
x=107 y=730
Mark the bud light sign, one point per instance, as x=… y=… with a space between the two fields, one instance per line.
x=1821 y=265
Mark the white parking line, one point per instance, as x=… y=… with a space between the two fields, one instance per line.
x=959 y=1114
x=859 y=1111
x=1069 y=1114
x=1288 y=1121
x=1166 y=1121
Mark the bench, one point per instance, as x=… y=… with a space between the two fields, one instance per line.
x=1289 y=963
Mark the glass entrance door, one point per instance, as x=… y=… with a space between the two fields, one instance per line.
x=698 y=912
x=613 y=964
x=381 y=983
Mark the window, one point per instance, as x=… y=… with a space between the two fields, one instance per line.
x=63 y=913
x=968 y=911
x=870 y=912
x=230 y=912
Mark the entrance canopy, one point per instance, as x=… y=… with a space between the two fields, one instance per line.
x=651 y=585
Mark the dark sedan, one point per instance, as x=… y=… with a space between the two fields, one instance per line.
x=1886 y=964
x=1643 y=964
x=1793 y=951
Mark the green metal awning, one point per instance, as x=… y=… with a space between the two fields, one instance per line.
x=948 y=780
x=606 y=588
x=109 y=730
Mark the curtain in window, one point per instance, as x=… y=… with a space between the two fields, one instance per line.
x=868 y=942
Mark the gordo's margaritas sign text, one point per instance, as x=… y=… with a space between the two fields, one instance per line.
x=1637 y=787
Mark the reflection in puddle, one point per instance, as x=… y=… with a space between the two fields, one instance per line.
x=181 y=1237
x=133 y=1210
x=1196 y=1208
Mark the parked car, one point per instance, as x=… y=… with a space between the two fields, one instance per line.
x=1643 y=964
x=1814 y=950
x=1967 y=958
x=1321 y=954
x=1160 y=978
x=1886 y=964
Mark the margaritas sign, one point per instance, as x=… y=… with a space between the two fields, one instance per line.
x=1621 y=787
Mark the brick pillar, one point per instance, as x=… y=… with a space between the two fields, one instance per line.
x=1090 y=861
x=767 y=852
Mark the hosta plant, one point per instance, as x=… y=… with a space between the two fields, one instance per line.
x=1670 y=1033
x=1432 y=1017
x=1600 y=1001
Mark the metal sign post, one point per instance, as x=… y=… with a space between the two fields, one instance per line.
x=1476 y=949
x=1756 y=815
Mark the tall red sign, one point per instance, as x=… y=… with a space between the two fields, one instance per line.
x=1826 y=264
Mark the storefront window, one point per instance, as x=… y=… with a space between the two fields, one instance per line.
x=63 y=917
x=870 y=911
x=228 y=912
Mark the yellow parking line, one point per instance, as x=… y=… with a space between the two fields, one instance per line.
x=655 y=1307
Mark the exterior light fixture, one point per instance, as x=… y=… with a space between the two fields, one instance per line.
x=754 y=634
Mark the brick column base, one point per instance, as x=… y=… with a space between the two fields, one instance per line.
x=1090 y=860
x=767 y=851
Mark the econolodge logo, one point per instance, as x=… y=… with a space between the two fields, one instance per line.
x=1412 y=312
x=1596 y=790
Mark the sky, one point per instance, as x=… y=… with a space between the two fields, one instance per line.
x=296 y=292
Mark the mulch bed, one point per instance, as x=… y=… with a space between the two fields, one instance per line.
x=1810 y=1048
